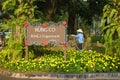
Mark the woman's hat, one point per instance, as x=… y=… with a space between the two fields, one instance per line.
x=80 y=30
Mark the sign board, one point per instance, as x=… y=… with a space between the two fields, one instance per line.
x=47 y=33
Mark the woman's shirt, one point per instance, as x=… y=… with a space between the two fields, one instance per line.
x=80 y=37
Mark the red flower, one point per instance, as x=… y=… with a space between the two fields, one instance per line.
x=44 y=25
x=64 y=22
x=26 y=43
x=45 y=43
x=26 y=24
x=64 y=45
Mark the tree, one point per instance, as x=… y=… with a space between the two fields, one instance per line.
x=18 y=12
x=51 y=10
x=110 y=24
x=69 y=10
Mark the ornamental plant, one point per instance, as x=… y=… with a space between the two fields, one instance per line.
x=77 y=62
x=18 y=12
x=110 y=24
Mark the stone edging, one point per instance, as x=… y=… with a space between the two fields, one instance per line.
x=111 y=76
x=79 y=76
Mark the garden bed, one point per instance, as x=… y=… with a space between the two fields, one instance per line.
x=76 y=62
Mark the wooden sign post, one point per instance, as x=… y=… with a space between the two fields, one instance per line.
x=44 y=34
x=64 y=48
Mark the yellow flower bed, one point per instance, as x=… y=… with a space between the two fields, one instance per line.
x=77 y=62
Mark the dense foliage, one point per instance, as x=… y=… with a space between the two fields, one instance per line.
x=77 y=62
x=111 y=27
x=95 y=39
x=18 y=12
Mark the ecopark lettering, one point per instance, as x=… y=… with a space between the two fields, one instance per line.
x=50 y=29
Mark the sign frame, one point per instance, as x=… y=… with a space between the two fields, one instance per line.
x=51 y=33
x=59 y=38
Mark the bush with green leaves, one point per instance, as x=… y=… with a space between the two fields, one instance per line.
x=96 y=39
x=110 y=24
x=18 y=12
x=77 y=62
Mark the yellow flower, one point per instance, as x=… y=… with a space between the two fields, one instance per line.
x=113 y=60
x=86 y=64
x=67 y=65
x=116 y=67
x=110 y=67
x=52 y=65
x=113 y=64
x=81 y=68
x=63 y=65
x=91 y=66
x=103 y=67
x=67 y=70
x=105 y=64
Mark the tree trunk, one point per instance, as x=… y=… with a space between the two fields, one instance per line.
x=71 y=22
x=51 y=10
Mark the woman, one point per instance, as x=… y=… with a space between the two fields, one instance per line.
x=80 y=38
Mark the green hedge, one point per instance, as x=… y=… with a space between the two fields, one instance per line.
x=95 y=38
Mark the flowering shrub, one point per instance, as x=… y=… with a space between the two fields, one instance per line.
x=77 y=62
